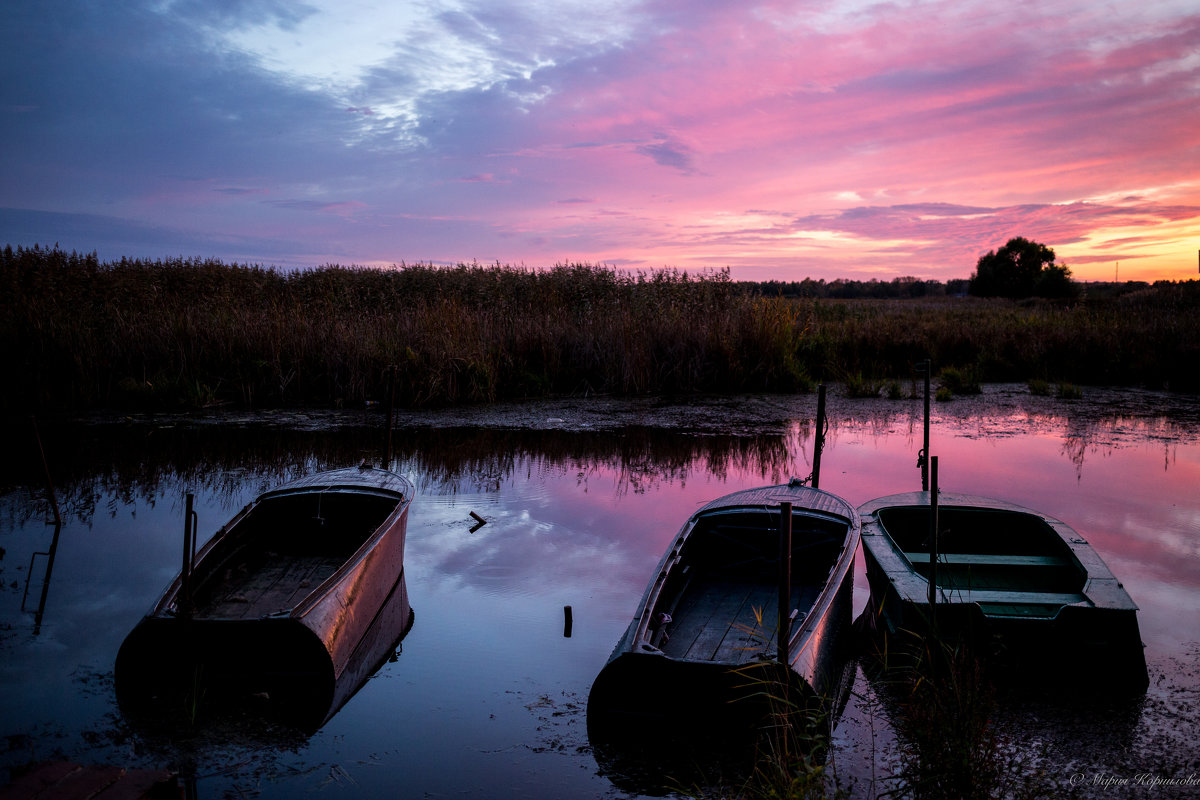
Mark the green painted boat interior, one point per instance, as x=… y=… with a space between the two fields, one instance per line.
x=1008 y=561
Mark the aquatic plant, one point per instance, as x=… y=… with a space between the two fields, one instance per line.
x=960 y=381
x=1039 y=387
x=1068 y=391
x=946 y=706
x=858 y=386
x=791 y=742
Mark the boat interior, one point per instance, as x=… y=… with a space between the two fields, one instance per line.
x=1001 y=557
x=723 y=594
x=281 y=551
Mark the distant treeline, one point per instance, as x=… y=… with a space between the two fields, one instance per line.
x=78 y=334
x=910 y=288
x=897 y=288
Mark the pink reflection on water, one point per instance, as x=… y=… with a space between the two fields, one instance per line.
x=1123 y=485
x=1133 y=498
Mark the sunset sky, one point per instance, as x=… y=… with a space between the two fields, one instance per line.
x=783 y=140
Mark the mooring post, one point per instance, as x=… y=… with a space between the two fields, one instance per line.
x=933 y=532
x=567 y=622
x=819 y=443
x=785 y=580
x=925 y=367
x=185 y=575
x=46 y=472
x=50 y=554
x=391 y=404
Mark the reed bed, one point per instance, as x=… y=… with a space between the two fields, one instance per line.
x=78 y=334
x=1148 y=338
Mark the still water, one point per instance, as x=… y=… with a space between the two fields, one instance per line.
x=486 y=695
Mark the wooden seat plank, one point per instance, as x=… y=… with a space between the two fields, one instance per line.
x=985 y=559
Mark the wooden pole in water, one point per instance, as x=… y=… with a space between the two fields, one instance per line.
x=185 y=574
x=391 y=404
x=50 y=554
x=785 y=580
x=567 y=622
x=933 y=532
x=46 y=471
x=927 y=367
x=819 y=444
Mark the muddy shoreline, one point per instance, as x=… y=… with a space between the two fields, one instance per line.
x=1178 y=415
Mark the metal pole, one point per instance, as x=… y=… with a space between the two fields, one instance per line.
x=819 y=444
x=785 y=580
x=933 y=533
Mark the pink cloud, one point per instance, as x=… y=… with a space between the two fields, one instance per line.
x=958 y=127
x=781 y=139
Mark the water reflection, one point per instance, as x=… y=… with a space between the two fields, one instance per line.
x=487 y=696
x=204 y=709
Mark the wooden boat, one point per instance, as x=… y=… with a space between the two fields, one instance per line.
x=293 y=602
x=713 y=606
x=1025 y=586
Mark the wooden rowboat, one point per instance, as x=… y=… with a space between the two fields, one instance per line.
x=724 y=591
x=293 y=602
x=1024 y=586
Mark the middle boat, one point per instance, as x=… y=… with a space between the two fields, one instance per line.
x=759 y=576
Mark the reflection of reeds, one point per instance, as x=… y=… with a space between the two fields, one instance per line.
x=946 y=710
x=135 y=462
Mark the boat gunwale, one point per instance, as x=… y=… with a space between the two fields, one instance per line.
x=800 y=638
x=166 y=605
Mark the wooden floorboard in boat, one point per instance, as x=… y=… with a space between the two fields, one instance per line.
x=279 y=584
x=716 y=622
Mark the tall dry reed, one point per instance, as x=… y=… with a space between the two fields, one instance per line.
x=80 y=334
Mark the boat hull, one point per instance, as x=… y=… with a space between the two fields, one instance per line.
x=1046 y=609
x=650 y=690
x=290 y=608
x=647 y=681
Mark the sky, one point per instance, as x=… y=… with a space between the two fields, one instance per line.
x=780 y=140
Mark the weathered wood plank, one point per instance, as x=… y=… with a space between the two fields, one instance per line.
x=278 y=584
x=716 y=620
x=975 y=559
x=1016 y=598
x=696 y=609
x=62 y=780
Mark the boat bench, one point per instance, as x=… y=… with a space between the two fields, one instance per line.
x=1013 y=598
x=985 y=559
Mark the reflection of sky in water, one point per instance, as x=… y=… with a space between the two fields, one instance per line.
x=486 y=697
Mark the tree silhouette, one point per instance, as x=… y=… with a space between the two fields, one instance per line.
x=1021 y=268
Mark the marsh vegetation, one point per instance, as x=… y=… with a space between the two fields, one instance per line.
x=77 y=333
